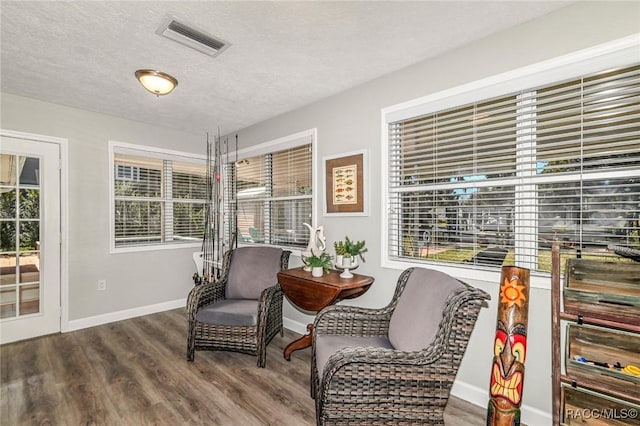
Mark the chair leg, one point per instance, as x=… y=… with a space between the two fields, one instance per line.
x=312 y=391
x=262 y=354
x=191 y=343
x=190 y=354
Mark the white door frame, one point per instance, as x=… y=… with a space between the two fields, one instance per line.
x=64 y=217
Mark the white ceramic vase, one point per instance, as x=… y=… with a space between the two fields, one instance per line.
x=317 y=271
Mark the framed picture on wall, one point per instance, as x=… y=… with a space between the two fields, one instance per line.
x=345 y=184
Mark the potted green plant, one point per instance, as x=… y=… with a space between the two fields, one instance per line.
x=340 y=251
x=353 y=250
x=319 y=264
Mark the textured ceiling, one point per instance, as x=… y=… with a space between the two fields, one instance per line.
x=283 y=54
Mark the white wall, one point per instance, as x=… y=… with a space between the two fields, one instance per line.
x=134 y=280
x=352 y=120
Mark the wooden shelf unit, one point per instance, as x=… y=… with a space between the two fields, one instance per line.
x=593 y=384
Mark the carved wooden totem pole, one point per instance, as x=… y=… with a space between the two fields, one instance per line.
x=509 y=348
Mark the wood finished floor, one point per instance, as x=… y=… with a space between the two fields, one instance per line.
x=134 y=372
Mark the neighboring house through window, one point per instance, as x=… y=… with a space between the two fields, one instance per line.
x=158 y=197
x=481 y=176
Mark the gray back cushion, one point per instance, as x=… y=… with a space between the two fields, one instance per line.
x=415 y=321
x=252 y=270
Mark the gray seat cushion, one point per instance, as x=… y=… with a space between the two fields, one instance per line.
x=327 y=345
x=230 y=312
x=416 y=319
x=252 y=270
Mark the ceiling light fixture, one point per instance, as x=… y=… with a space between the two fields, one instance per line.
x=156 y=82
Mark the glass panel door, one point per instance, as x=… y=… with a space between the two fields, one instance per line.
x=29 y=239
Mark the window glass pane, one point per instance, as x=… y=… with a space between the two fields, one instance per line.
x=9 y=166
x=593 y=215
x=189 y=181
x=138 y=222
x=251 y=178
x=251 y=221
x=188 y=221
x=456 y=225
x=138 y=176
x=29 y=267
x=287 y=218
x=7 y=302
x=30 y=203
x=8 y=262
x=29 y=235
x=590 y=123
x=471 y=143
x=30 y=171
x=7 y=203
x=7 y=235
x=291 y=171
x=29 y=299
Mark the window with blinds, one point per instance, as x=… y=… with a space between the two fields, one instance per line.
x=274 y=196
x=499 y=181
x=158 y=198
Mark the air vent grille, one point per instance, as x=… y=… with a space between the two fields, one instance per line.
x=192 y=38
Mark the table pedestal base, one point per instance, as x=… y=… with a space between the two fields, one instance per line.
x=301 y=343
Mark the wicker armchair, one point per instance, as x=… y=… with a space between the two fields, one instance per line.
x=396 y=364
x=242 y=311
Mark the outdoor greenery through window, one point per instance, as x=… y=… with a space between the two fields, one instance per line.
x=274 y=197
x=158 y=198
x=500 y=180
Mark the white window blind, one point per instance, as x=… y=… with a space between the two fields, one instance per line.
x=274 y=197
x=498 y=181
x=157 y=200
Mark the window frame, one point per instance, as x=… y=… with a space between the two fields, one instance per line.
x=617 y=53
x=116 y=147
x=286 y=142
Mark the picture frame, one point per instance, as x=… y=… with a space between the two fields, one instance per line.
x=345 y=184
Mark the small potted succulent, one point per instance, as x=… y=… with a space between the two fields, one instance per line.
x=319 y=264
x=353 y=249
x=340 y=251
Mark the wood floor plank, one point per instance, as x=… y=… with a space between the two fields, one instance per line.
x=167 y=372
x=34 y=399
x=82 y=399
x=135 y=372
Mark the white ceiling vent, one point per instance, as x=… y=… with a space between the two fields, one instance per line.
x=192 y=38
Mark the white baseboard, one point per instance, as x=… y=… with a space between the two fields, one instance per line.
x=122 y=315
x=535 y=417
x=294 y=326
x=480 y=396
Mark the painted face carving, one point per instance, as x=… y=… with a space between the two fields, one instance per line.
x=507 y=375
